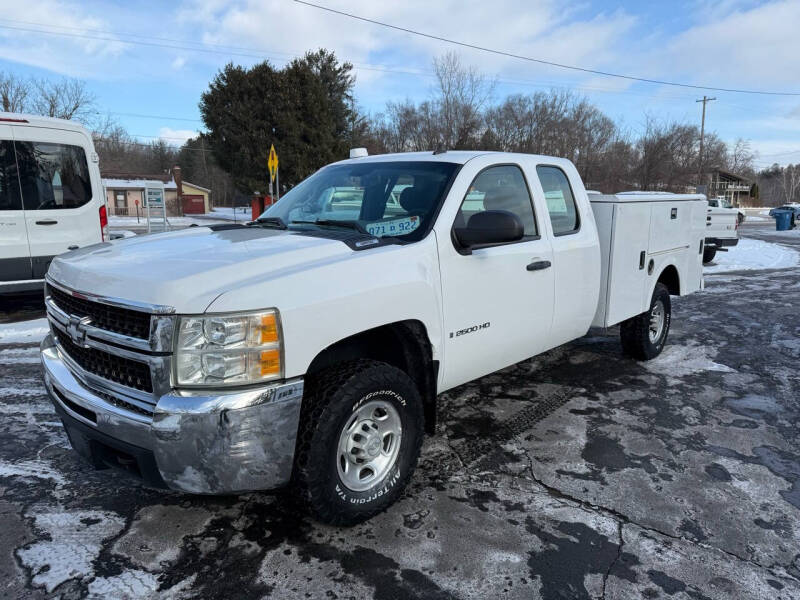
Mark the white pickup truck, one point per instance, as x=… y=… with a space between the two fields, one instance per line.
x=722 y=231
x=309 y=347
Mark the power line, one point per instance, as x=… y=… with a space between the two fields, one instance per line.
x=257 y=54
x=538 y=60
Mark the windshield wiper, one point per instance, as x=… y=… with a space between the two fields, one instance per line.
x=275 y=222
x=334 y=223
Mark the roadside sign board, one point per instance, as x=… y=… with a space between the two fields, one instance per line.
x=272 y=163
x=156 y=207
x=155 y=196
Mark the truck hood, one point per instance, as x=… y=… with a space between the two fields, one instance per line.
x=188 y=269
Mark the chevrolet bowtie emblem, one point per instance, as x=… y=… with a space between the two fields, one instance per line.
x=76 y=330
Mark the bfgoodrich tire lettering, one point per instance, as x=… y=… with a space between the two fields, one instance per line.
x=644 y=336
x=337 y=400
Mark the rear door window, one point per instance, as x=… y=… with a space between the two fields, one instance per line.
x=10 y=198
x=560 y=200
x=53 y=176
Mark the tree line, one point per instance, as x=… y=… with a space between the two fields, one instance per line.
x=309 y=111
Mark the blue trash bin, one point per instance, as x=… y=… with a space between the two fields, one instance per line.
x=783 y=219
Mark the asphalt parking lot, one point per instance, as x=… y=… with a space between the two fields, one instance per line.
x=579 y=474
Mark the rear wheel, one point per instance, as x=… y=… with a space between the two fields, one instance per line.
x=358 y=442
x=709 y=252
x=644 y=336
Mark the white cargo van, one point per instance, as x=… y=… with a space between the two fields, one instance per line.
x=51 y=198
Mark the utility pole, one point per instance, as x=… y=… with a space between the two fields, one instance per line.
x=705 y=101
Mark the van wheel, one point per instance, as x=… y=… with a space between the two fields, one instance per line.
x=708 y=254
x=358 y=442
x=643 y=336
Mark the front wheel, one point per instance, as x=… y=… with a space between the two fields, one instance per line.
x=709 y=252
x=359 y=439
x=644 y=336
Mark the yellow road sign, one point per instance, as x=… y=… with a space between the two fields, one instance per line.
x=272 y=163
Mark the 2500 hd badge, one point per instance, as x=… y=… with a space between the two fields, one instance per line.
x=472 y=329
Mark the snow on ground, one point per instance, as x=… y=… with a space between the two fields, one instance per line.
x=679 y=361
x=76 y=539
x=119 y=234
x=24 y=331
x=752 y=255
x=226 y=213
x=117 y=222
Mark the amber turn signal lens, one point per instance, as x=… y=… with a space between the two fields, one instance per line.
x=270 y=362
x=268 y=329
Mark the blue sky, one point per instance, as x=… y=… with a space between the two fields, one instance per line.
x=181 y=45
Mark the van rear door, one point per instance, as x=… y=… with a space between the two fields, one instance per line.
x=15 y=256
x=60 y=192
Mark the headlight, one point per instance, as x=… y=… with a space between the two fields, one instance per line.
x=219 y=350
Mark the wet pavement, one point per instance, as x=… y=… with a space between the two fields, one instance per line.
x=578 y=474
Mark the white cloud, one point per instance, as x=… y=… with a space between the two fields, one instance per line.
x=178 y=63
x=176 y=137
x=543 y=29
x=79 y=54
x=755 y=48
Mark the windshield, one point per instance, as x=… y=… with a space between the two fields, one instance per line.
x=391 y=199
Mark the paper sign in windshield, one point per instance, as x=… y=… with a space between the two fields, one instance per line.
x=555 y=201
x=393 y=227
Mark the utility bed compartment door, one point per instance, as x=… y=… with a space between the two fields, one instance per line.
x=669 y=225
x=626 y=277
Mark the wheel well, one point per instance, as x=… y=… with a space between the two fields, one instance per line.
x=669 y=277
x=404 y=345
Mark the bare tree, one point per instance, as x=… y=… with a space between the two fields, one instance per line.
x=790 y=182
x=741 y=157
x=463 y=95
x=14 y=93
x=64 y=99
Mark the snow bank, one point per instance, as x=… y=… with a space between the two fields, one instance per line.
x=752 y=255
x=24 y=332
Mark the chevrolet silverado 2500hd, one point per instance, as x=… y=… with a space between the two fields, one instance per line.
x=309 y=346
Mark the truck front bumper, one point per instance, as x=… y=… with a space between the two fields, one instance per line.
x=202 y=443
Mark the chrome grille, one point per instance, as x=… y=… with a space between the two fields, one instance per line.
x=124 y=321
x=119 y=350
x=124 y=371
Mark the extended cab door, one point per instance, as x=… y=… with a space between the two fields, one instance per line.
x=497 y=301
x=15 y=256
x=59 y=196
x=576 y=249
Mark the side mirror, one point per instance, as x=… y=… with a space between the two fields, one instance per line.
x=490 y=227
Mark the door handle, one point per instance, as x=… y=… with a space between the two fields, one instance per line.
x=72 y=247
x=47 y=222
x=538 y=265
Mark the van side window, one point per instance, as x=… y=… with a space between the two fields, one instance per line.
x=10 y=198
x=560 y=200
x=53 y=176
x=499 y=188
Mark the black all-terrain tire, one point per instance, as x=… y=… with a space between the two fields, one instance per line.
x=708 y=254
x=332 y=396
x=635 y=332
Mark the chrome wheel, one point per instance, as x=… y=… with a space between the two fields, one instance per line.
x=657 y=320
x=368 y=445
